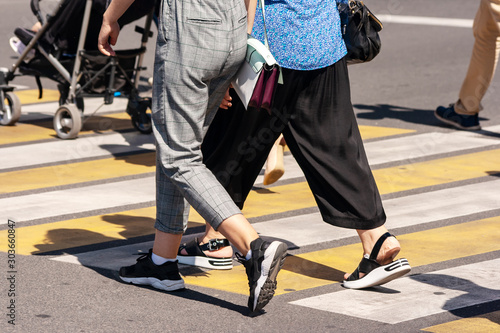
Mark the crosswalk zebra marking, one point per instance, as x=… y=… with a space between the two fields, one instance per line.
x=43 y=130
x=424 y=20
x=65 y=151
x=486 y=323
x=412 y=147
x=325 y=267
x=27 y=155
x=73 y=173
x=401 y=212
x=30 y=96
x=404 y=149
x=389 y=180
x=416 y=296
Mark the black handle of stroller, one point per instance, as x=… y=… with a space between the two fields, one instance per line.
x=35 y=8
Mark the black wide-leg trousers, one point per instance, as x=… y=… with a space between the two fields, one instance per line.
x=313 y=110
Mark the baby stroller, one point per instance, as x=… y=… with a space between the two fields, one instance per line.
x=65 y=51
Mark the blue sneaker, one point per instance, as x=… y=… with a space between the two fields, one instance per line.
x=464 y=122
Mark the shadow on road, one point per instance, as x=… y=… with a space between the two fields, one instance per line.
x=387 y=111
x=477 y=300
x=409 y=115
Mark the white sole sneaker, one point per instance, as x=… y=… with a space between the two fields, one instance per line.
x=167 y=285
x=206 y=262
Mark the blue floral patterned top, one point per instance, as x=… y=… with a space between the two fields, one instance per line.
x=302 y=34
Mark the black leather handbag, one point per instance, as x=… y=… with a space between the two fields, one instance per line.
x=360 y=30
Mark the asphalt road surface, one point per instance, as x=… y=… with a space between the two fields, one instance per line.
x=79 y=209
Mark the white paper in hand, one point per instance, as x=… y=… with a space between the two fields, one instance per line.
x=246 y=78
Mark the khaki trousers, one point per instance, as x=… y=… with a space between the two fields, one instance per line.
x=484 y=58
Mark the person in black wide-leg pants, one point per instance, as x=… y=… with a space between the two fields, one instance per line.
x=321 y=130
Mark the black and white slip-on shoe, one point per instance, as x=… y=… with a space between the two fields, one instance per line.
x=145 y=272
x=262 y=269
x=375 y=273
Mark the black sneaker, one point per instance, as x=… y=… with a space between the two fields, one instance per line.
x=164 y=277
x=262 y=269
x=464 y=122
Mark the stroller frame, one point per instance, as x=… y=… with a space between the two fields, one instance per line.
x=68 y=117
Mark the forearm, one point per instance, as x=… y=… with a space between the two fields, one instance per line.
x=110 y=28
x=251 y=7
x=115 y=10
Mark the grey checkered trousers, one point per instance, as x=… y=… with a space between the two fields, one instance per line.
x=200 y=46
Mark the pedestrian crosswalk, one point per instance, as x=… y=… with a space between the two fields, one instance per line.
x=441 y=194
x=484 y=323
x=439 y=291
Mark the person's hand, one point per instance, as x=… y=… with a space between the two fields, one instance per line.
x=107 y=37
x=226 y=101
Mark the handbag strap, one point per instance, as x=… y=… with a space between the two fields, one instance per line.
x=266 y=43
x=261 y=3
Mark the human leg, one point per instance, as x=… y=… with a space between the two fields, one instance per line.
x=212 y=244
x=389 y=250
x=324 y=138
x=180 y=103
x=484 y=58
x=262 y=261
x=145 y=272
x=234 y=149
x=378 y=266
x=463 y=114
x=275 y=167
x=185 y=97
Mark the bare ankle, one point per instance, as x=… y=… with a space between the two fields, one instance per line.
x=390 y=249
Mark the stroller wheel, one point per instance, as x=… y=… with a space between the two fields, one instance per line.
x=63 y=98
x=67 y=121
x=142 y=123
x=80 y=104
x=11 y=109
x=141 y=116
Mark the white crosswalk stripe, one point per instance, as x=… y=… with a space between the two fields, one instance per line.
x=64 y=151
x=416 y=296
x=422 y=20
x=405 y=299
x=78 y=200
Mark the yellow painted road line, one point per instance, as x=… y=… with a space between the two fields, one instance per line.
x=325 y=267
x=31 y=96
x=84 y=231
x=44 y=130
x=373 y=132
x=389 y=180
x=73 y=173
x=486 y=323
x=262 y=202
x=440 y=171
x=119 y=121
x=61 y=235
x=300 y=272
